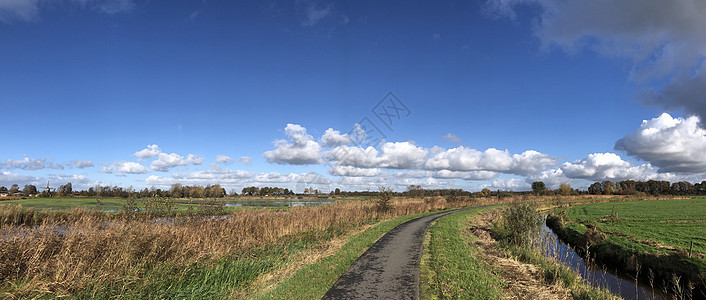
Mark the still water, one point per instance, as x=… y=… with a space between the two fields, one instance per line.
x=597 y=275
x=279 y=203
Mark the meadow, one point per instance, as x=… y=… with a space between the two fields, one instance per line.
x=660 y=241
x=670 y=224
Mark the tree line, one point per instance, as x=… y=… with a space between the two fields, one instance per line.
x=625 y=187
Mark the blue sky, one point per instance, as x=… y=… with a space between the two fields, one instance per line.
x=497 y=93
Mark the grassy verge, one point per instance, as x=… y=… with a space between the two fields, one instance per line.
x=554 y=272
x=449 y=267
x=221 y=279
x=312 y=281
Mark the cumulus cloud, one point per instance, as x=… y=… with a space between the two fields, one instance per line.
x=333 y=138
x=166 y=161
x=224 y=159
x=353 y=171
x=672 y=144
x=466 y=175
x=125 y=167
x=30 y=164
x=509 y=184
x=302 y=150
x=7 y=179
x=239 y=178
x=246 y=160
x=80 y=164
x=605 y=166
x=662 y=40
x=149 y=152
x=400 y=155
x=467 y=159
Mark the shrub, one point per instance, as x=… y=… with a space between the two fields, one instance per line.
x=384 y=199
x=521 y=222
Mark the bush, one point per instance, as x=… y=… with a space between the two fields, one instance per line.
x=520 y=223
x=383 y=202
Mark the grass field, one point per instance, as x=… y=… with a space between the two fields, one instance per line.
x=641 y=237
x=671 y=223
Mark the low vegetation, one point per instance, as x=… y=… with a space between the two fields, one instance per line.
x=450 y=268
x=88 y=252
x=519 y=230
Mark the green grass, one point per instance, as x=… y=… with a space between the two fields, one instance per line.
x=628 y=232
x=314 y=280
x=674 y=223
x=450 y=268
x=646 y=210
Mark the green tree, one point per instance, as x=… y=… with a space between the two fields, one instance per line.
x=14 y=188
x=538 y=187
x=65 y=189
x=337 y=191
x=565 y=189
x=30 y=190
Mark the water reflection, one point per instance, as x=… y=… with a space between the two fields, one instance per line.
x=599 y=276
x=279 y=203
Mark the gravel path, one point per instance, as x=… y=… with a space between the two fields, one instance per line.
x=390 y=268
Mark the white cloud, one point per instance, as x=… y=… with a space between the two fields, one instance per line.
x=30 y=164
x=7 y=179
x=662 y=40
x=672 y=144
x=149 y=152
x=606 y=166
x=302 y=150
x=125 y=167
x=466 y=175
x=166 y=161
x=80 y=164
x=354 y=172
x=400 y=155
x=224 y=159
x=551 y=178
x=509 y=184
x=246 y=160
x=451 y=138
x=333 y=138
x=467 y=159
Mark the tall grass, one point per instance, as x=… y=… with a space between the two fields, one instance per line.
x=63 y=253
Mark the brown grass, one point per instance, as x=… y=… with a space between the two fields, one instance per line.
x=60 y=253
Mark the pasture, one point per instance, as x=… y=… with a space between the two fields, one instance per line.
x=665 y=224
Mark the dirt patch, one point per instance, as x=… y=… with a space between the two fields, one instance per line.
x=522 y=281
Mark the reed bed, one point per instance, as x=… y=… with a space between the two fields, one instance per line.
x=61 y=253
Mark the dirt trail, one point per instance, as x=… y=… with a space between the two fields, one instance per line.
x=390 y=268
